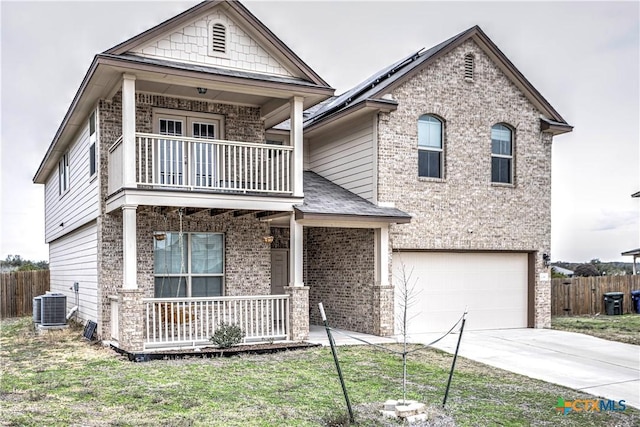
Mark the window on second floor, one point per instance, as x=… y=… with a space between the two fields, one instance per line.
x=92 y=145
x=171 y=167
x=430 y=147
x=501 y=154
x=63 y=174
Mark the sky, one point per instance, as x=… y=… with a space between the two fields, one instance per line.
x=584 y=57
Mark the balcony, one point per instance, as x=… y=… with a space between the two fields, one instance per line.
x=192 y=164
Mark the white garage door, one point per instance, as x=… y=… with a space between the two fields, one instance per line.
x=493 y=287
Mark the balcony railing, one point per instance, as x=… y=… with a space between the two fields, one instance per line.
x=229 y=166
x=191 y=322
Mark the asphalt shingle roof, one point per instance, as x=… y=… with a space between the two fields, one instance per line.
x=323 y=197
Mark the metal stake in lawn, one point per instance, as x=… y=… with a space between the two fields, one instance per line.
x=335 y=359
x=455 y=356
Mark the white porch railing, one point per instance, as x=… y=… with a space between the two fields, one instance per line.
x=191 y=322
x=192 y=163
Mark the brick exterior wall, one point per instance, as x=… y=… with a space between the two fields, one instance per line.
x=464 y=210
x=340 y=274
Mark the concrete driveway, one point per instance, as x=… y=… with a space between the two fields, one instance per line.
x=599 y=367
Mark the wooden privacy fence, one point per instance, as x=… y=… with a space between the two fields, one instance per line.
x=584 y=295
x=17 y=290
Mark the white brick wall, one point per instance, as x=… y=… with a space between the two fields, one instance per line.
x=191 y=44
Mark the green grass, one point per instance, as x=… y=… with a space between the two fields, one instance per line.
x=624 y=328
x=58 y=379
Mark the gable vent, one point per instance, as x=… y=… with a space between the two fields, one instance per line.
x=218 y=38
x=468 y=66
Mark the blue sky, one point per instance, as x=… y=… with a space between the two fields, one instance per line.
x=583 y=57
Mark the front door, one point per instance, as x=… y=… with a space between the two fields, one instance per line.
x=279 y=270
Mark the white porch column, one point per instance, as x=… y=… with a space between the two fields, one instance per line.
x=129 y=247
x=129 y=130
x=297 y=143
x=295 y=252
x=382 y=255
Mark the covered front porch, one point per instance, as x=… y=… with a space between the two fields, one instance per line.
x=189 y=323
x=195 y=270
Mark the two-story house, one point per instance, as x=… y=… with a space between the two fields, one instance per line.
x=204 y=174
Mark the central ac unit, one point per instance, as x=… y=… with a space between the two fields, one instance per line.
x=37 y=309
x=54 y=309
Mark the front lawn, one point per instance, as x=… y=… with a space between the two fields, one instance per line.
x=58 y=379
x=624 y=328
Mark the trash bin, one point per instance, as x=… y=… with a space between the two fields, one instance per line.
x=635 y=297
x=613 y=303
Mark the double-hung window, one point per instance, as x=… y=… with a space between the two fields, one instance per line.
x=430 y=148
x=189 y=265
x=501 y=154
x=63 y=174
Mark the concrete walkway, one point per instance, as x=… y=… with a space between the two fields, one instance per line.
x=318 y=335
x=606 y=369
x=599 y=367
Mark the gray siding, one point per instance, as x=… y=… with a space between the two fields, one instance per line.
x=74 y=258
x=79 y=205
x=346 y=158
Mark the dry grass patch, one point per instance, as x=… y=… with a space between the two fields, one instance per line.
x=624 y=328
x=62 y=380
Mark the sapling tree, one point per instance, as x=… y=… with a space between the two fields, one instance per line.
x=407 y=295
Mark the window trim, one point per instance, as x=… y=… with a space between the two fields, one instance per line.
x=188 y=275
x=188 y=117
x=511 y=157
x=440 y=150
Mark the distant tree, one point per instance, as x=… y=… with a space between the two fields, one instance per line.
x=16 y=262
x=556 y=274
x=586 y=270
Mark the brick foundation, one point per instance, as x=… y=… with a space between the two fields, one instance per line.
x=298 y=312
x=131 y=320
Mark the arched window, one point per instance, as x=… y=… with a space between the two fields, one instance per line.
x=430 y=146
x=501 y=154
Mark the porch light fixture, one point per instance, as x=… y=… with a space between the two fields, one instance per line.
x=159 y=235
x=546 y=259
x=267 y=239
x=202 y=90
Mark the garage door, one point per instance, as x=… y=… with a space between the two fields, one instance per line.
x=493 y=286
